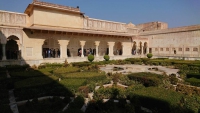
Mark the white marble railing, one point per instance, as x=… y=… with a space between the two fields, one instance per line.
x=96 y=24
x=11 y=18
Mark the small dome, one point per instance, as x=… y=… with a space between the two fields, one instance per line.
x=130 y=25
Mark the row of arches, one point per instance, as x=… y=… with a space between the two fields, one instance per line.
x=139 y=48
x=12 y=50
x=51 y=48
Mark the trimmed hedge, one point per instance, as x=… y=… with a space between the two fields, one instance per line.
x=194 y=81
x=149 y=55
x=193 y=75
x=106 y=57
x=161 y=100
x=90 y=58
x=147 y=79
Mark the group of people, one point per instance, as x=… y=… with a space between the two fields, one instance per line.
x=86 y=52
x=51 y=53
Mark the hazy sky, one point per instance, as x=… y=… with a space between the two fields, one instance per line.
x=176 y=13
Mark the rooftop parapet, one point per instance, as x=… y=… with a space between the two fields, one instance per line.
x=46 y=4
x=103 y=25
x=12 y=19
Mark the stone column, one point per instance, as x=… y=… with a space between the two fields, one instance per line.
x=110 y=45
x=63 y=48
x=142 y=51
x=4 y=52
x=147 y=50
x=82 y=43
x=19 y=50
x=97 y=45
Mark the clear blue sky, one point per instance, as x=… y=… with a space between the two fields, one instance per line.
x=176 y=13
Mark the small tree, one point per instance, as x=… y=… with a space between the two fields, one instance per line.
x=149 y=55
x=106 y=57
x=90 y=58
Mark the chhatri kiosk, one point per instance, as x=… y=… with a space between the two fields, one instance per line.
x=48 y=32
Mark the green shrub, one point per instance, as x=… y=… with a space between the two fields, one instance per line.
x=147 y=79
x=194 y=81
x=106 y=57
x=173 y=79
x=68 y=69
x=194 y=75
x=149 y=55
x=81 y=64
x=90 y=58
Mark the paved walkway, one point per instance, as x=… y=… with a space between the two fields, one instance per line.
x=130 y=68
x=13 y=104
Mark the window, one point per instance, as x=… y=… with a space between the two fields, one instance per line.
x=187 y=49
x=29 y=51
x=167 y=49
x=179 y=49
x=161 y=49
x=156 y=49
x=195 y=49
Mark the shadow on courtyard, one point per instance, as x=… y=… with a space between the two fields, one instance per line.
x=29 y=83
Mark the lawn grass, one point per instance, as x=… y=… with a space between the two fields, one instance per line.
x=35 y=81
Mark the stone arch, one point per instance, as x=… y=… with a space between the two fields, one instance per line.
x=89 y=46
x=12 y=47
x=7 y=32
x=145 y=48
x=74 y=47
x=117 y=48
x=103 y=46
x=134 y=47
x=51 y=48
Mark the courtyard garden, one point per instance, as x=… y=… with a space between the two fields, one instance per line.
x=70 y=85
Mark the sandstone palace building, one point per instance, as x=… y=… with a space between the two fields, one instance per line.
x=48 y=32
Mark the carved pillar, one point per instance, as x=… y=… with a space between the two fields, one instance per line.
x=19 y=49
x=82 y=43
x=142 y=50
x=4 y=51
x=126 y=48
x=97 y=49
x=110 y=45
x=63 y=48
x=147 y=50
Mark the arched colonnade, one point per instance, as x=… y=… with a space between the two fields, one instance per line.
x=11 y=43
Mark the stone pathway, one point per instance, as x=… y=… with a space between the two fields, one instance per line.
x=13 y=104
x=131 y=68
x=65 y=108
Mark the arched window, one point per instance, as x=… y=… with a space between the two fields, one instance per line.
x=195 y=49
x=156 y=49
x=167 y=49
x=161 y=49
x=187 y=49
x=179 y=49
